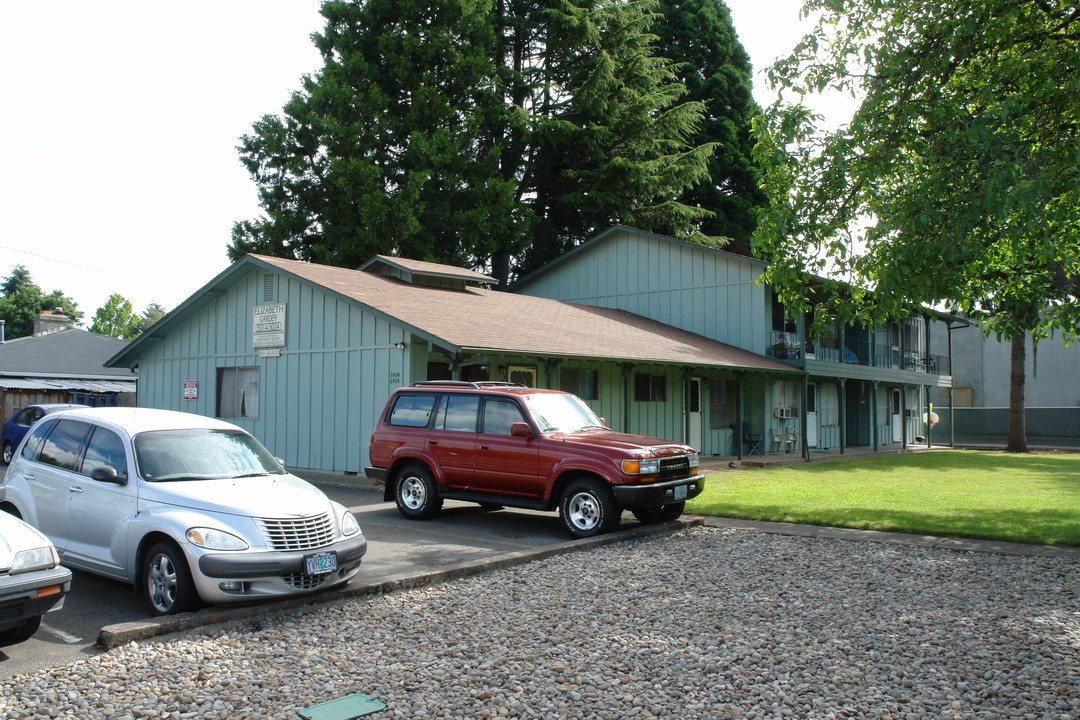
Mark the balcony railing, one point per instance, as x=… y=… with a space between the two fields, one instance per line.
x=787 y=346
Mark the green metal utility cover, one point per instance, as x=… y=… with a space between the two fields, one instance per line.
x=344 y=708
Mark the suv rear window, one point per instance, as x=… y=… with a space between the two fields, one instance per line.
x=412 y=410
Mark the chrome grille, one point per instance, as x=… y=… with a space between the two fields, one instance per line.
x=674 y=467
x=306 y=533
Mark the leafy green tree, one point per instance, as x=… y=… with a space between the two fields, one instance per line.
x=474 y=132
x=22 y=300
x=117 y=319
x=956 y=182
x=699 y=36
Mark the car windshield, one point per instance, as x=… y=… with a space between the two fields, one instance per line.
x=561 y=413
x=201 y=454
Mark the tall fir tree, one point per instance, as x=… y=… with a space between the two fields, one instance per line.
x=378 y=152
x=489 y=134
x=699 y=36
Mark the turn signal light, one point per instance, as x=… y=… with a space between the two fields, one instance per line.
x=51 y=590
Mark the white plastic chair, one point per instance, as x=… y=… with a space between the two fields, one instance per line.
x=791 y=437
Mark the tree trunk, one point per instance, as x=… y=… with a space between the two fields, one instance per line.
x=1017 y=421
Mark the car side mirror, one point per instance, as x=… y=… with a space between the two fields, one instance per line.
x=603 y=421
x=107 y=474
x=521 y=430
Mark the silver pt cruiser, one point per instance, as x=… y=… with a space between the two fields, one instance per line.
x=187 y=508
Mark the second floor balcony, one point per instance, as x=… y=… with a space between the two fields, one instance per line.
x=788 y=347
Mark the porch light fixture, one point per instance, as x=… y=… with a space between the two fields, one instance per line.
x=401 y=345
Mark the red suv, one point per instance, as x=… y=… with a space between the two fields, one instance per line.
x=502 y=444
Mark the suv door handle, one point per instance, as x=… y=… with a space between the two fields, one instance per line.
x=432 y=442
x=75 y=489
x=28 y=477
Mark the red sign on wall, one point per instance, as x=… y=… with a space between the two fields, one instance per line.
x=191 y=389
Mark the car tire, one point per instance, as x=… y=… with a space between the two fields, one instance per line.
x=166 y=581
x=588 y=508
x=20 y=633
x=9 y=452
x=660 y=514
x=415 y=493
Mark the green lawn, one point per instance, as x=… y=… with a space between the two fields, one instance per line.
x=1032 y=498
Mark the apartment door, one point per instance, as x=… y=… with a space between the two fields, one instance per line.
x=897 y=418
x=811 y=416
x=693 y=413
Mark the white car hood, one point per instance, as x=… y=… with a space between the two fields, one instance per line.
x=15 y=535
x=269 y=496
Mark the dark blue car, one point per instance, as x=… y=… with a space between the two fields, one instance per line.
x=12 y=432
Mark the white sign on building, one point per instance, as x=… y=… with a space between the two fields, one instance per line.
x=268 y=326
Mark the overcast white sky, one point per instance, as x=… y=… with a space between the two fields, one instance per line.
x=120 y=120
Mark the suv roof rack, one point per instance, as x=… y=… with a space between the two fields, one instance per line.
x=463 y=383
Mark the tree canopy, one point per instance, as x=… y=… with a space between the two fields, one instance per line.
x=21 y=299
x=955 y=182
x=485 y=134
x=698 y=35
x=116 y=318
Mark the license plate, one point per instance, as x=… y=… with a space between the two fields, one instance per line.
x=680 y=492
x=320 y=563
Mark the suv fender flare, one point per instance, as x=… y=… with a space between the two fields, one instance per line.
x=569 y=469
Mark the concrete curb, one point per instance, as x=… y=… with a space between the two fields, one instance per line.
x=118 y=634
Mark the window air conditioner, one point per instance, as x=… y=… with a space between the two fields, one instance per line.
x=783 y=412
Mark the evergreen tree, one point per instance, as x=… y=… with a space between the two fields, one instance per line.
x=378 y=152
x=487 y=134
x=699 y=36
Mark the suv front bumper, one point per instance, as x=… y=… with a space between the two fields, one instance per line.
x=653 y=495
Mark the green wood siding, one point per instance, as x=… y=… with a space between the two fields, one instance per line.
x=699 y=290
x=317 y=402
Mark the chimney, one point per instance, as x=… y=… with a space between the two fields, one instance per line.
x=46 y=322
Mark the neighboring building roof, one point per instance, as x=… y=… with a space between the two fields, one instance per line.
x=427 y=269
x=477 y=319
x=67 y=355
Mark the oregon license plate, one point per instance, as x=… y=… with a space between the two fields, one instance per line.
x=680 y=492
x=320 y=563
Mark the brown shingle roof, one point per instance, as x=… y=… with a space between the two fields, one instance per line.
x=480 y=319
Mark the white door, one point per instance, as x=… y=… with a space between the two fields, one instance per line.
x=897 y=418
x=811 y=416
x=693 y=414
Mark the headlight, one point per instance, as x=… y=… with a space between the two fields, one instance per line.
x=643 y=466
x=693 y=459
x=349 y=526
x=212 y=539
x=41 y=558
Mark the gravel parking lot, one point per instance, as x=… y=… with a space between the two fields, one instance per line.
x=707 y=623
